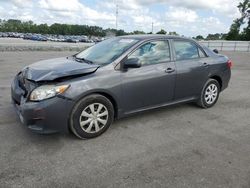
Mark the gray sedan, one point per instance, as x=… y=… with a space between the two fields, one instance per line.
x=120 y=76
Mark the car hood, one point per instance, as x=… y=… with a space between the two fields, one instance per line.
x=49 y=70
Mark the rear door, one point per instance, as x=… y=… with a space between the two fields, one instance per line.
x=154 y=82
x=192 y=68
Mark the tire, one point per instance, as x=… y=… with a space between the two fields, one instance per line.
x=211 y=88
x=91 y=116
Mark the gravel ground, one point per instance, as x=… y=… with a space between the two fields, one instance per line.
x=178 y=146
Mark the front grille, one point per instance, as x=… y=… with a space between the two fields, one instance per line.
x=21 y=82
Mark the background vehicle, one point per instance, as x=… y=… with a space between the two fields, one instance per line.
x=115 y=78
x=54 y=38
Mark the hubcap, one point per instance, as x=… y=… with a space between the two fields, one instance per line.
x=93 y=118
x=211 y=94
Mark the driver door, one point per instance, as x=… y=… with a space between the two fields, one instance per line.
x=153 y=83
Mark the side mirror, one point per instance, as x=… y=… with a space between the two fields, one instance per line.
x=132 y=63
x=216 y=51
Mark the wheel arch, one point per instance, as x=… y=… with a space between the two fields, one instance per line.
x=106 y=94
x=218 y=79
x=112 y=100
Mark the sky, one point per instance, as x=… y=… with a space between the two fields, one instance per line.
x=186 y=17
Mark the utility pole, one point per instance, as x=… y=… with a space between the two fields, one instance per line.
x=152 y=27
x=116 y=17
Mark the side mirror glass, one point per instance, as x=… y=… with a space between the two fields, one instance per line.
x=216 y=51
x=132 y=63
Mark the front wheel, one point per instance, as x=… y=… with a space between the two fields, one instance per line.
x=210 y=94
x=91 y=116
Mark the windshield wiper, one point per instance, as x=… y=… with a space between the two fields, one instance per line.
x=83 y=60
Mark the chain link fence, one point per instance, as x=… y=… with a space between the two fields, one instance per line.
x=241 y=46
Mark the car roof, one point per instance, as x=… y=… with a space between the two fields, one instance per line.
x=152 y=36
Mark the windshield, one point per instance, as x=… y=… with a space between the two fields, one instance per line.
x=107 y=51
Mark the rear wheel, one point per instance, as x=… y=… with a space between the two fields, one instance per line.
x=91 y=116
x=210 y=94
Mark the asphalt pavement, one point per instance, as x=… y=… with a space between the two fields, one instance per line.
x=177 y=146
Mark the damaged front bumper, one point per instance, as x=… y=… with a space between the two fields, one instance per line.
x=47 y=116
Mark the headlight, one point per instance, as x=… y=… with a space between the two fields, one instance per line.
x=47 y=91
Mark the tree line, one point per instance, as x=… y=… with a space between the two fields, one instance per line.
x=13 y=25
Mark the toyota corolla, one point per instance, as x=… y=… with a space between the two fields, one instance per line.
x=120 y=76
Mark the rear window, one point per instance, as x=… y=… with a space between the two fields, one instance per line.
x=185 y=50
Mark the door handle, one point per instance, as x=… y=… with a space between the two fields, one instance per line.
x=169 y=70
x=205 y=64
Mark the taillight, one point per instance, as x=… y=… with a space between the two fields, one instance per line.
x=229 y=64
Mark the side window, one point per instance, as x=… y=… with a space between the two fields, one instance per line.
x=185 y=50
x=152 y=52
